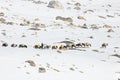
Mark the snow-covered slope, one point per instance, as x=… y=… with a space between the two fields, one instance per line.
x=29 y=22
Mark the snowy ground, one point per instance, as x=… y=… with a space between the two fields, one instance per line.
x=92 y=63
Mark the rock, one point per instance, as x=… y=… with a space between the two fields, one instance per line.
x=110 y=16
x=91 y=37
x=77 y=8
x=88 y=11
x=2 y=14
x=116 y=55
x=23 y=35
x=37 y=55
x=102 y=17
x=42 y=70
x=84 y=26
x=32 y=63
x=81 y=18
x=72 y=69
x=95 y=50
x=55 y=4
x=56 y=70
x=2 y=20
x=94 y=26
x=107 y=26
x=68 y=19
x=59 y=51
x=27 y=73
x=77 y=4
x=108 y=36
x=110 y=30
x=9 y=23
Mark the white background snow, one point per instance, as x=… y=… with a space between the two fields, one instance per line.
x=87 y=64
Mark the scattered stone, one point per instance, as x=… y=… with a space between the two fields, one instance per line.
x=48 y=65
x=91 y=37
x=110 y=16
x=34 y=29
x=95 y=50
x=56 y=70
x=32 y=63
x=23 y=35
x=37 y=55
x=102 y=17
x=109 y=5
x=84 y=27
x=81 y=71
x=72 y=69
x=39 y=2
x=117 y=72
x=2 y=14
x=55 y=4
x=27 y=73
x=42 y=70
x=67 y=42
x=110 y=30
x=68 y=19
x=59 y=51
x=116 y=55
x=94 y=26
x=118 y=61
x=88 y=11
x=3 y=33
x=77 y=4
x=107 y=26
x=108 y=36
x=2 y=20
x=9 y=23
x=81 y=18
x=116 y=47
x=77 y=8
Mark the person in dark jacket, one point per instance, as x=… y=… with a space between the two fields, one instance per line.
x=42 y=45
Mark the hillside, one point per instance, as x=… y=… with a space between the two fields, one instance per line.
x=60 y=22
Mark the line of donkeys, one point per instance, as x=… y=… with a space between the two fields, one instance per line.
x=62 y=46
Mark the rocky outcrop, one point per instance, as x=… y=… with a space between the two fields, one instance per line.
x=32 y=63
x=42 y=70
x=81 y=18
x=67 y=19
x=55 y=4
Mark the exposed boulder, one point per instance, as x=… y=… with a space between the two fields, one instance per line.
x=68 y=19
x=42 y=70
x=77 y=4
x=107 y=26
x=32 y=63
x=77 y=8
x=81 y=18
x=2 y=20
x=55 y=4
x=2 y=14
x=88 y=11
x=110 y=30
x=116 y=55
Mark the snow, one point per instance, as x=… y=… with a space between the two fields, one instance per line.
x=93 y=63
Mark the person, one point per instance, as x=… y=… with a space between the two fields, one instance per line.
x=42 y=45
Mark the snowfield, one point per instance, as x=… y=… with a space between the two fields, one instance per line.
x=31 y=22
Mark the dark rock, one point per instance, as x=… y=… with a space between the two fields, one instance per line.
x=42 y=70
x=32 y=63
